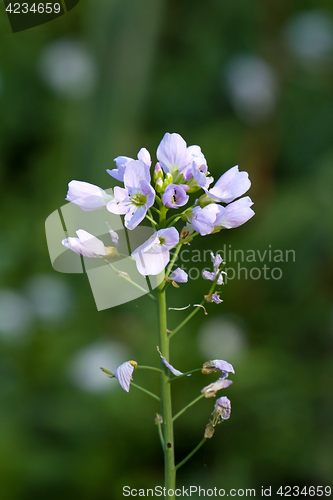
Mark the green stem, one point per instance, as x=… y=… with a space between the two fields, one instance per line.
x=188 y=406
x=191 y=454
x=145 y=391
x=153 y=222
x=144 y=367
x=185 y=374
x=169 y=454
x=160 y=433
x=173 y=260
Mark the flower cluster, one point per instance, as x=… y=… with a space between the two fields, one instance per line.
x=180 y=171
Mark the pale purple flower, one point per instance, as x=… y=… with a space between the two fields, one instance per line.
x=210 y=390
x=87 y=196
x=230 y=185
x=179 y=275
x=222 y=408
x=153 y=255
x=235 y=214
x=171 y=368
x=175 y=195
x=89 y=246
x=212 y=276
x=136 y=197
x=216 y=365
x=124 y=375
x=203 y=219
x=175 y=157
x=122 y=162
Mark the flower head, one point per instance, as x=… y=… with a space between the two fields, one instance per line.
x=137 y=196
x=87 y=196
x=175 y=195
x=217 y=365
x=203 y=219
x=89 y=246
x=153 y=255
x=214 y=297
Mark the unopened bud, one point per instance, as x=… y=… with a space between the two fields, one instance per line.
x=159 y=185
x=158 y=172
x=209 y=431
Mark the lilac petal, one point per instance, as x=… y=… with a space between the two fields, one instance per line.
x=124 y=375
x=148 y=191
x=217 y=260
x=197 y=155
x=135 y=171
x=120 y=203
x=175 y=196
x=236 y=213
x=144 y=156
x=200 y=177
x=230 y=185
x=171 y=368
x=134 y=216
x=179 y=276
x=223 y=405
x=212 y=277
x=118 y=173
x=170 y=237
x=87 y=196
x=172 y=153
x=203 y=219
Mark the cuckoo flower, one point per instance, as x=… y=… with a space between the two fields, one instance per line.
x=175 y=157
x=199 y=174
x=122 y=161
x=230 y=185
x=153 y=255
x=87 y=196
x=235 y=214
x=175 y=195
x=203 y=219
x=217 y=261
x=89 y=246
x=137 y=196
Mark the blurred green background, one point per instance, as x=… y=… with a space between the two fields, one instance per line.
x=251 y=82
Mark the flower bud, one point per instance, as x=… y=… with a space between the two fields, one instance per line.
x=209 y=431
x=159 y=185
x=158 y=172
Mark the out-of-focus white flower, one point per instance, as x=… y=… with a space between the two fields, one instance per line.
x=223 y=336
x=309 y=36
x=50 y=297
x=84 y=367
x=16 y=314
x=68 y=68
x=252 y=88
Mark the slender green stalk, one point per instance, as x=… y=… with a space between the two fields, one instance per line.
x=185 y=374
x=191 y=454
x=160 y=433
x=169 y=453
x=145 y=391
x=144 y=367
x=188 y=406
x=153 y=222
